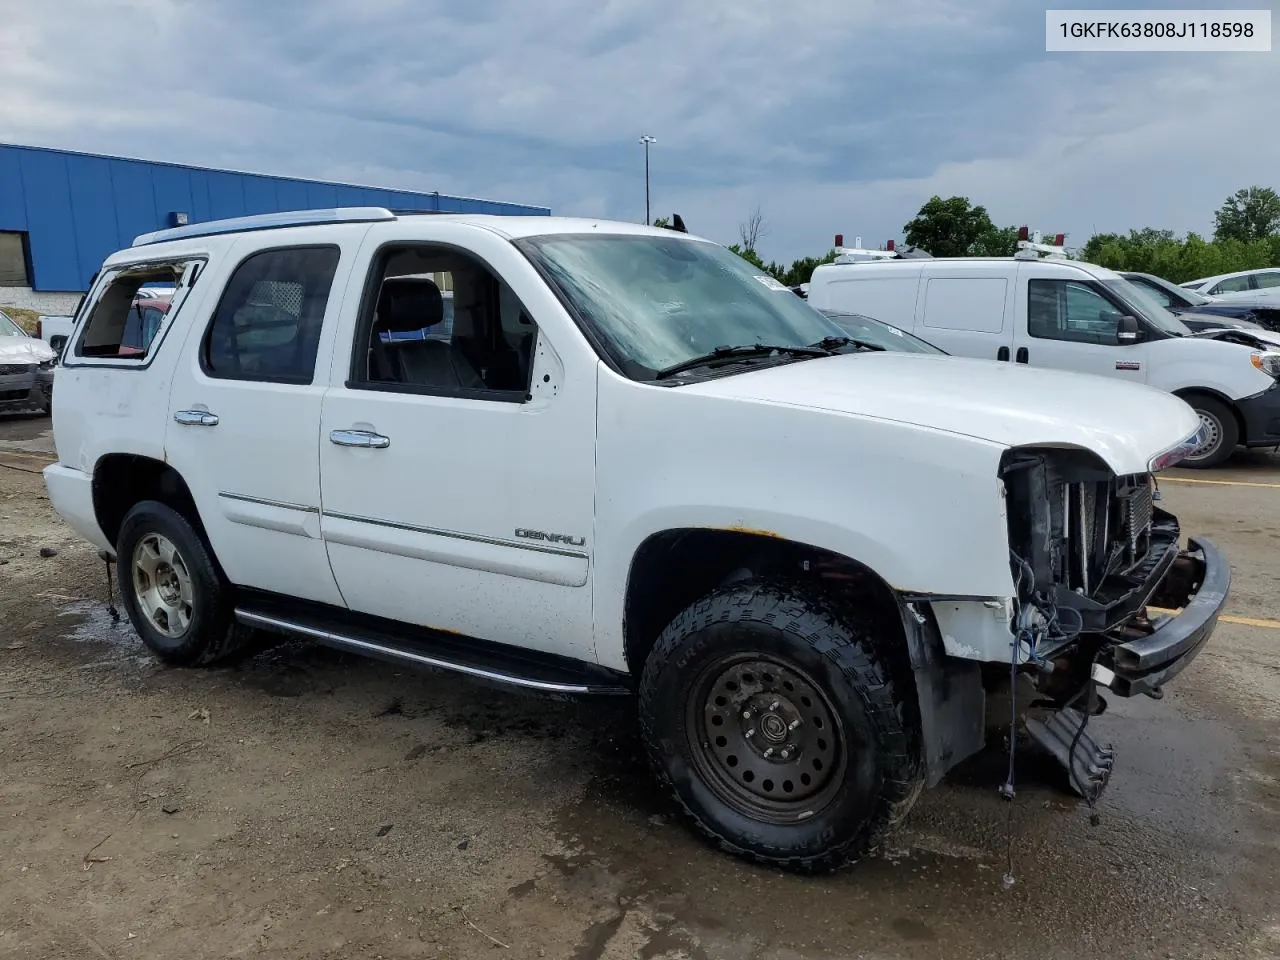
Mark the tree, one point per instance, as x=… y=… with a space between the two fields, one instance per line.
x=1250 y=214
x=950 y=228
x=752 y=231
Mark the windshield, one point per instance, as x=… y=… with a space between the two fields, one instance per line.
x=1166 y=293
x=1144 y=306
x=879 y=333
x=8 y=328
x=658 y=301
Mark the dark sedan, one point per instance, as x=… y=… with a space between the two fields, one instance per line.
x=1199 y=312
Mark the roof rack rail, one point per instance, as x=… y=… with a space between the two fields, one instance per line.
x=267 y=221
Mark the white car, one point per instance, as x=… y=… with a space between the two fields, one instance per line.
x=1055 y=313
x=26 y=369
x=635 y=466
x=1226 y=286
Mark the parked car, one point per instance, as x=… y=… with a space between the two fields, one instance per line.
x=26 y=369
x=877 y=335
x=1199 y=312
x=1241 y=282
x=1055 y=313
x=638 y=467
x=54 y=329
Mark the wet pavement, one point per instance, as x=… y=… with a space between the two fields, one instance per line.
x=326 y=806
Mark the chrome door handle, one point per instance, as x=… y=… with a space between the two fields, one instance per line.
x=359 y=438
x=196 y=418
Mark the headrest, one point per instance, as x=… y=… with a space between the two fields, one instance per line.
x=408 y=303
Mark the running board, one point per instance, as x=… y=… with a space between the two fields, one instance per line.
x=428 y=649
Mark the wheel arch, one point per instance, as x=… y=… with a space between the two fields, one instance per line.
x=672 y=568
x=121 y=480
x=1187 y=393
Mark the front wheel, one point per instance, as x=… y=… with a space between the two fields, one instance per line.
x=1221 y=430
x=778 y=728
x=173 y=593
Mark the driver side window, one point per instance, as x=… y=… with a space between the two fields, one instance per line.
x=1072 y=311
x=440 y=322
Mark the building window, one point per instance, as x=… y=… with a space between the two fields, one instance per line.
x=13 y=260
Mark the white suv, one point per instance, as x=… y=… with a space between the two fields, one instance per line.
x=633 y=465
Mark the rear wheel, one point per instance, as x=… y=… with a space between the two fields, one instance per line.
x=174 y=595
x=775 y=724
x=1221 y=430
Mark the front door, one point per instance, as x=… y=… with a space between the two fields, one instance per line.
x=458 y=460
x=1073 y=324
x=245 y=415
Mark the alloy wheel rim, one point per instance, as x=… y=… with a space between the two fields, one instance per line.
x=162 y=585
x=1213 y=435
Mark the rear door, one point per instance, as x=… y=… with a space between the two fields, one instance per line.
x=1069 y=321
x=245 y=408
x=967 y=310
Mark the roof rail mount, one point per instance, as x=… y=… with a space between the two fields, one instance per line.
x=267 y=221
x=1028 y=250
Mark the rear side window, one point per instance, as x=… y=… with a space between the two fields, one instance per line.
x=973 y=304
x=1234 y=285
x=127 y=317
x=267 y=323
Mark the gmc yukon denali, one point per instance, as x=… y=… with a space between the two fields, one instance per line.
x=630 y=464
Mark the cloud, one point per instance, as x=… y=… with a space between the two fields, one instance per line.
x=831 y=116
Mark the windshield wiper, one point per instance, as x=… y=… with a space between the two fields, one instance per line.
x=834 y=343
x=743 y=352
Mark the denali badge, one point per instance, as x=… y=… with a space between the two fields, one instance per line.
x=564 y=538
x=1128 y=365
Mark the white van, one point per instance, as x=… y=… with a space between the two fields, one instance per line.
x=1061 y=313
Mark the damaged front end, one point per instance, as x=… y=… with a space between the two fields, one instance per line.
x=1106 y=595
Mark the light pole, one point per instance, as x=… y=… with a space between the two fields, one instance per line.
x=646 y=140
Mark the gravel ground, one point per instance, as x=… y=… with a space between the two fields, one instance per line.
x=310 y=804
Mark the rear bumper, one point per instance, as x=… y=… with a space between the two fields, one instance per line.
x=71 y=496
x=1156 y=650
x=1261 y=415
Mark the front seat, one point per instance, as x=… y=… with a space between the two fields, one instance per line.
x=412 y=305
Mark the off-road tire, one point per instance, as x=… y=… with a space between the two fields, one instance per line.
x=212 y=636
x=1226 y=429
x=799 y=626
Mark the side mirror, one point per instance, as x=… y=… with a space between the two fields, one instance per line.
x=1127 y=330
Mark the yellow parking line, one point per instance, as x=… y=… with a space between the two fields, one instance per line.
x=1228 y=618
x=42 y=457
x=1219 y=483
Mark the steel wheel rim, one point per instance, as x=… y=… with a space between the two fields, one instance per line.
x=162 y=585
x=1213 y=432
x=766 y=738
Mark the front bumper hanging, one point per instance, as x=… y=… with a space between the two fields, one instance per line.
x=1154 y=650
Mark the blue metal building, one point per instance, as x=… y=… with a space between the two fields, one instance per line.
x=62 y=213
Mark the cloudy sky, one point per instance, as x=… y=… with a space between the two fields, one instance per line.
x=829 y=115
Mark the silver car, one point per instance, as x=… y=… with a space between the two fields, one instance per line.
x=26 y=369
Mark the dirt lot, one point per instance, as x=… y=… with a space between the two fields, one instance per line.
x=309 y=804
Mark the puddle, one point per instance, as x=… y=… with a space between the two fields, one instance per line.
x=97 y=626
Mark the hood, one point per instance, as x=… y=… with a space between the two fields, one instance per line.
x=1126 y=424
x=18 y=349
x=1259 y=339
